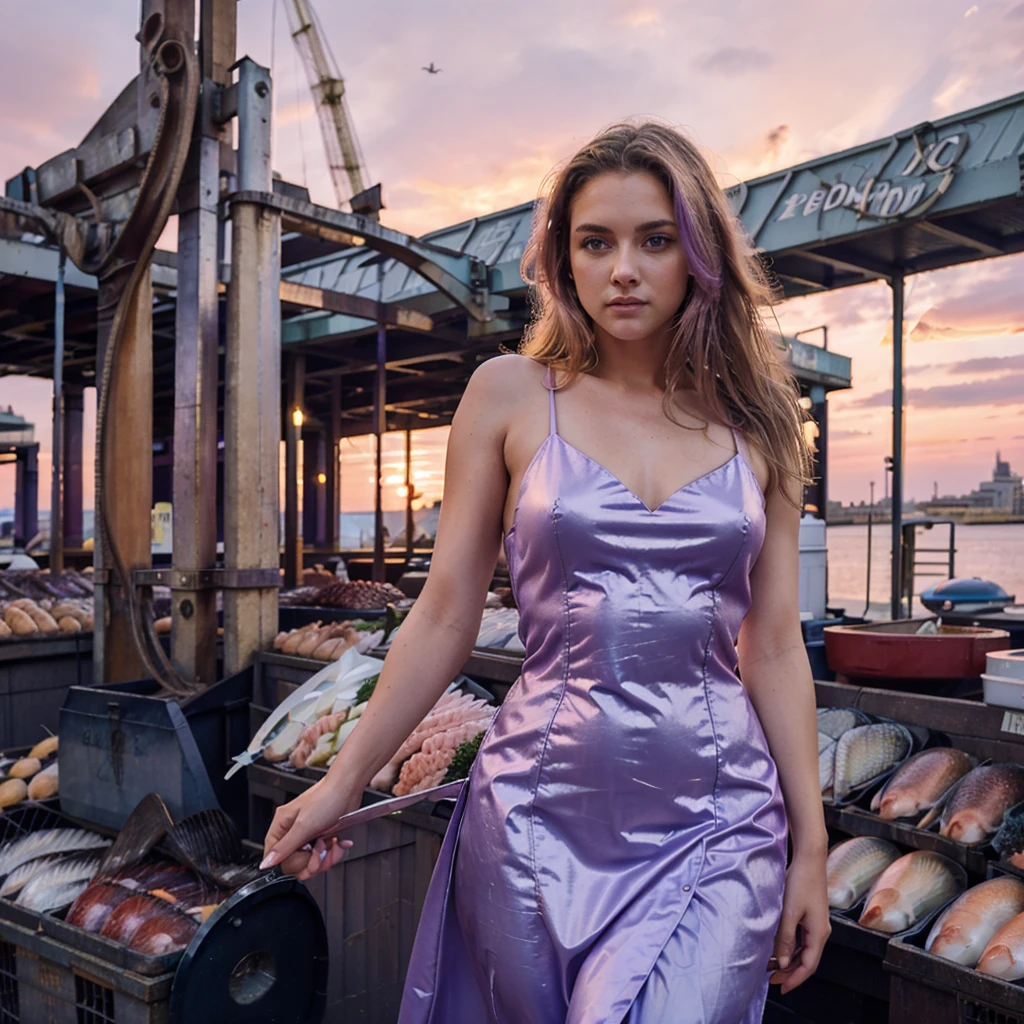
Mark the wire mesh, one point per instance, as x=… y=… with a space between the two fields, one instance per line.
x=9 y=1012
x=94 y=1003
x=977 y=1013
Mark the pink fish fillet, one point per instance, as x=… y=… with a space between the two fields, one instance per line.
x=452 y=709
x=312 y=733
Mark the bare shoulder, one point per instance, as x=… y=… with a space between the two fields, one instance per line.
x=498 y=387
x=506 y=377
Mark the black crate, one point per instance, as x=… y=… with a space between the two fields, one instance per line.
x=9 y=1012
x=35 y=674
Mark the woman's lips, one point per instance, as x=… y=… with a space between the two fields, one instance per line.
x=626 y=305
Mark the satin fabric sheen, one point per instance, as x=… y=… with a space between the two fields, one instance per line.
x=619 y=851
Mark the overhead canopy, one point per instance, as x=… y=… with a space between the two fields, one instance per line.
x=932 y=196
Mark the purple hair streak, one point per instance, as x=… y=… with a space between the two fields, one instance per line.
x=705 y=267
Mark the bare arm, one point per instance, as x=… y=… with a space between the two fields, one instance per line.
x=775 y=671
x=436 y=637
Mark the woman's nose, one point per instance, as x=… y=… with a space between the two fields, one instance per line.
x=624 y=270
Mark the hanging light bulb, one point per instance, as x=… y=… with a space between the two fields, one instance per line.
x=297 y=418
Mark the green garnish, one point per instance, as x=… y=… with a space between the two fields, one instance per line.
x=465 y=754
x=365 y=692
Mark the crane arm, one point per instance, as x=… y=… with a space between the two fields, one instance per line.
x=344 y=158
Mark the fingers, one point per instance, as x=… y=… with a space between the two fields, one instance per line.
x=785 y=940
x=804 y=961
x=284 y=838
x=284 y=818
x=323 y=857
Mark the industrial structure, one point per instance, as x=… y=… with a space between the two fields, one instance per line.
x=303 y=322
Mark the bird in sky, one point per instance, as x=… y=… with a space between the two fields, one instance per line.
x=432 y=70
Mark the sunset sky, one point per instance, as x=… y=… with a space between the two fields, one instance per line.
x=759 y=86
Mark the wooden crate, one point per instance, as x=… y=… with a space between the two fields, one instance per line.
x=371 y=902
x=43 y=981
x=926 y=988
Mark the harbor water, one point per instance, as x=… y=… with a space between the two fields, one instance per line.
x=993 y=552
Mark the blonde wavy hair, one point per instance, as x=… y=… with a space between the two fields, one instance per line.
x=720 y=343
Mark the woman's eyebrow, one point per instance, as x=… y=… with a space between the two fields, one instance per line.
x=650 y=225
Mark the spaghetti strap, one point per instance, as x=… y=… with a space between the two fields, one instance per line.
x=741 y=444
x=549 y=384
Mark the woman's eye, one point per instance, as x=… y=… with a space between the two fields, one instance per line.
x=659 y=241
x=593 y=243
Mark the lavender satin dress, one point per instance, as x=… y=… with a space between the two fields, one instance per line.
x=619 y=852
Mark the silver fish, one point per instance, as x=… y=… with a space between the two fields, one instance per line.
x=853 y=867
x=59 y=885
x=1004 y=955
x=966 y=927
x=834 y=722
x=864 y=752
x=909 y=889
x=21 y=876
x=50 y=840
x=919 y=783
x=976 y=808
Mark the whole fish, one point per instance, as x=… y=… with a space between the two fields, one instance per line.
x=19 y=877
x=864 y=752
x=209 y=844
x=826 y=760
x=51 y=840
x=95 y=904
x=1004 y=955
x=833 y=722
x=965 y=928
x=853 y=867
x=60 y=884
x=976 y=808
x=909 y=889
x=164 y=933
x=920 y=782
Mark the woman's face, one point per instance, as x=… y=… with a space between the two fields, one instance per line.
x=626 y=257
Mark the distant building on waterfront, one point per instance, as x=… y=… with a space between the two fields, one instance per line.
x=1004 y=491
x=1003 y=495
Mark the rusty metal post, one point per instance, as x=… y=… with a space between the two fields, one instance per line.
x=74 y=411
x=898 y=555
x=193 y=638
x=252 y=384
x=380 y=426
x=56 y=504
x=409 y=524
x=128 y=492
x=332 y=489
x=295 y=386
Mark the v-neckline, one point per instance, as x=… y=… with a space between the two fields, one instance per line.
x=629 y=490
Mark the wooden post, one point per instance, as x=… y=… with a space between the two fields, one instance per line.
x=128 y=487
x=252 y=385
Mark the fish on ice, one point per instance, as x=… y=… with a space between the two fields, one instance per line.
x=911 y=888
x=920 y=782
x=853 y=867
x=968 y=925
x=975 y=810
x=865 y=752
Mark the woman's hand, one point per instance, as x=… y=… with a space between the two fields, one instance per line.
x=296 y=823
x=804 y=927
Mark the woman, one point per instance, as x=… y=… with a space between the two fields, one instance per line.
x=619 y=851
